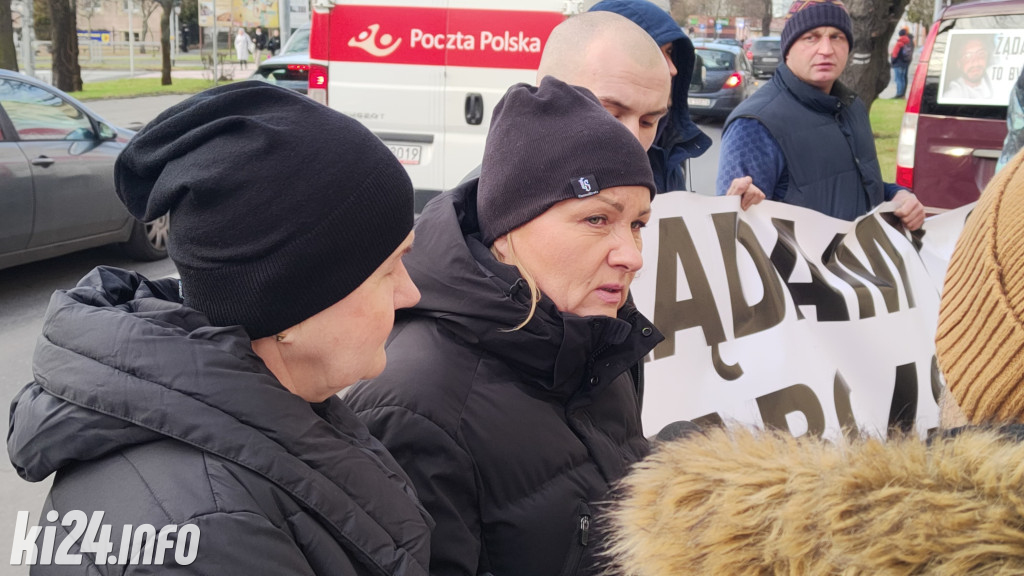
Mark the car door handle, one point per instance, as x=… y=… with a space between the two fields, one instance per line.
x=474 y=109
x=44 y=161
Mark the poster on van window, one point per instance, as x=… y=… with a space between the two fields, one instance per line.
x=981 y=66
x=781 y=316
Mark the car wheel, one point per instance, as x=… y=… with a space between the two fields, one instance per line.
x=149 y=241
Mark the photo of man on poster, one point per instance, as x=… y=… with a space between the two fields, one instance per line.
x=971 y=58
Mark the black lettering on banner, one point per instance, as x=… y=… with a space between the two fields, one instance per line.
x=712 y=420
x=670 y=316
x=827 y=300
x=871 y=237
x=996 y=72
x=776 y=405
x=831 y=258
x=903 y=409
x=844 y=409
x=770 y=311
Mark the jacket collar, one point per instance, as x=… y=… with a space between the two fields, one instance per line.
x=835 y=102
x=118 y=345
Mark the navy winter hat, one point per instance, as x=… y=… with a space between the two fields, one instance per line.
x=550 y=144
x=279 y=206
x=807 y=15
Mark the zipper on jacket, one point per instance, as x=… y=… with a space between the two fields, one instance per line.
x=580 y=541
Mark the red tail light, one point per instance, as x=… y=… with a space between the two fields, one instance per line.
x=298 y=67
x=907 y=146
x=734 y=80
x=318 y=83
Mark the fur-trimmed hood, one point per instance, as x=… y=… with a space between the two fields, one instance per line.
x=744 y=503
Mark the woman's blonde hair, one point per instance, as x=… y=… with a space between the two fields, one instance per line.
x=531 y=283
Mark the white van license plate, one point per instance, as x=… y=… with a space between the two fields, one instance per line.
x=406 y=154
x=699 y=102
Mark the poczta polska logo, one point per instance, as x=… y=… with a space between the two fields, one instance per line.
x=139 y=545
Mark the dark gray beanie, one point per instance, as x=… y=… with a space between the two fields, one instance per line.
x=550 y=144
x=279 y=206
x=807 y=15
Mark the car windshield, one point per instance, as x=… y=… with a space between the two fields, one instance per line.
x=716 y=59
x=298 y=43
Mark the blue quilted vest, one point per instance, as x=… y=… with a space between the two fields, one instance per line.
x=827 y=142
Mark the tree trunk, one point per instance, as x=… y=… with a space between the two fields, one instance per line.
x=165 y=42
x=8 y=54
x=868 y=70
x=766 y=20
x=67 y=75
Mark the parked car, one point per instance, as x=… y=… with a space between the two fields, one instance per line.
x=57 y=179
x=726 y=80
x=952 y=134
x=290 y=68
x=765 y=55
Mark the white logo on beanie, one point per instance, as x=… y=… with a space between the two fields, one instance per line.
x=585 y=186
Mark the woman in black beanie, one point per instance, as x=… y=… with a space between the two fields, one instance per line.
x=508 y=396
x=205 y=409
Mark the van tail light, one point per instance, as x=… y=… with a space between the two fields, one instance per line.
x=734 y=80
x=318 y=83
x=906 y=148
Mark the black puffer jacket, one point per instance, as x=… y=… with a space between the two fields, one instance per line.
x=512 y=438
x=148 y=413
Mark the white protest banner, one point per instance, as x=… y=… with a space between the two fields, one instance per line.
x=784 y=317
x=981 y=66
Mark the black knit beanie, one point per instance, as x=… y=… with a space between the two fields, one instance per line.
x=279 y=206
x=550 y=144
x=807 y=15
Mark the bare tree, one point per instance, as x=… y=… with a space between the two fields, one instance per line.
x=67 y=74
x=8 y=54
x=147 y=7
x=921 y=12
x=87 y=9
x=165 y=42
x=874 y=22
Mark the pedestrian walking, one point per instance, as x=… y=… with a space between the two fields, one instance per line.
x=259 y=40
x=902 y=55
x=243 y=46
x=205 y=407
x=274 y=42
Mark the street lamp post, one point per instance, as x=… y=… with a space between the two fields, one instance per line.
x=131 y=40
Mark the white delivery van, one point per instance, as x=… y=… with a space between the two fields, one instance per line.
x=424 y=75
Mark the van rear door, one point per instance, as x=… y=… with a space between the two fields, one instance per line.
x=960 y=133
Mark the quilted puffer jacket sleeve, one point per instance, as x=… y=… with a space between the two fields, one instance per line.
x=445 y=480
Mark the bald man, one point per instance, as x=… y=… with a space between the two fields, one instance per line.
x=617 y=61
x=622 y=64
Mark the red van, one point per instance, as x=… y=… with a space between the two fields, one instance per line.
x=955 y=119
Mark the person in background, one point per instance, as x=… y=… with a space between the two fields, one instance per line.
x=509 y=396
x=259 y=40
x=614 y=57
x=243 y=46
x=677 y=137
x=274 y=42
x=901 y=56
x=804 y=137
x=1014 y=124
x=753 y=503
x=207 y=405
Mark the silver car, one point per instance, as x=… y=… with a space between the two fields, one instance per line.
x=57 y=179
x=290 y=68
